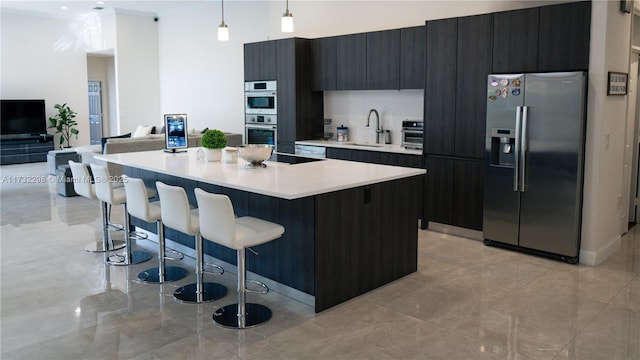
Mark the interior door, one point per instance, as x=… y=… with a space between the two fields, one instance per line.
x=95 y=112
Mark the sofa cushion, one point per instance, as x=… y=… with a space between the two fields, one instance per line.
x=104 y=139
x=141 y=131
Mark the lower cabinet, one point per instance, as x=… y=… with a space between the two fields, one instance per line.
x=454 y=191
x=24 y=151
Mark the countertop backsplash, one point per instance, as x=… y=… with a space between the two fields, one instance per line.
x=350 y=108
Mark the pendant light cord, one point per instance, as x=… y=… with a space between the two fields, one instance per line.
x=223 y=11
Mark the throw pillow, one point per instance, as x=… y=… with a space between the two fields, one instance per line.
x=141 y=131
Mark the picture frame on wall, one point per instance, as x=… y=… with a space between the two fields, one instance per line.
x=626 y=6
x=617 y=83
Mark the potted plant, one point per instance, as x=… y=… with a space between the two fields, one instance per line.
x=64 y=124
x=213 y=141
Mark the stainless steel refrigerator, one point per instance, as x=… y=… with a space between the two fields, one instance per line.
x=534 y=162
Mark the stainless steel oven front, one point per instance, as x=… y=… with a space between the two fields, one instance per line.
x=260 y=98
x=261 y=129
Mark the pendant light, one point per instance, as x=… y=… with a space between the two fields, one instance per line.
x=287 y=20
x=223 y=29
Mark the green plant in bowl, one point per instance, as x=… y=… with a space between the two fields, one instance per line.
x=64 y=124
x=213 y=139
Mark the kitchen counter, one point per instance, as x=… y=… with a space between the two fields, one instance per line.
x=358 y=145
x=350 y=227
x=281 y=180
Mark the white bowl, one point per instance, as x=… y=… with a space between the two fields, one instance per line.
x=255 y=154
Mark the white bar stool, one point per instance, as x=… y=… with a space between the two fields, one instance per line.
x=177 y=214
x=140 y=207
x=84 y=187
x=117 y=196
x=218 y=224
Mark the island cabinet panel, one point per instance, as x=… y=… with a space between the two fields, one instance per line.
x=383 y=60
x=564 y=37
x=324 y=54
x=515 y=41
x=474 y=58
x=440 y=89
x=351 y=62
x=260 y=61
x=359 y=244
x=412 y=57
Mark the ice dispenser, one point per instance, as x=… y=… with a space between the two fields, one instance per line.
x=502 y=147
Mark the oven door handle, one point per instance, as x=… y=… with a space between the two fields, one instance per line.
x=266 y=127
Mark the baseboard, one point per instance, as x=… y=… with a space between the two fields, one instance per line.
x=455 y=230
x=595 y=258
x=230 y=268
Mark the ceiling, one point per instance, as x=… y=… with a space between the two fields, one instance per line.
x=81 y=7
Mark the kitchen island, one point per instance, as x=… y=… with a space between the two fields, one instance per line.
x=349 y=227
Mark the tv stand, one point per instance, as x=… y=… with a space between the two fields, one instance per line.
x=25 y=150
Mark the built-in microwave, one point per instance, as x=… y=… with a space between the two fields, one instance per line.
x=260 y=98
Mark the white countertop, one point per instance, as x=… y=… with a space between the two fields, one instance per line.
x=277 y=179
x=355 y=145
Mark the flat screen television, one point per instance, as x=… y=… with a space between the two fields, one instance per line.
x=175 y=132
x=22 y=119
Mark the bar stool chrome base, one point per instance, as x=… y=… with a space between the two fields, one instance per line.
x=111 y=245
x=254 y=315
x=171 y=273
x=210 y=292
x=137 y=257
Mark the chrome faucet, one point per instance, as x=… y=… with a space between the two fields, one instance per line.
x=378 y=127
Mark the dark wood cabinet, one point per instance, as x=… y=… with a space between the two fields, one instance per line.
x=383 y=60
x=25 y=150
x=412 y=57
x=440 y=86
x=260 y=61
x=454 y=190
x=474 y=58
x=324 y=55
x=351 y=60
x=468 y=197
x=515 y=41
x=299 y=108
x=563 y=40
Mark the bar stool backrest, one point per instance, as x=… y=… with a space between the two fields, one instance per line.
x=175 y=209
x=217 y=220
x=104 y=190
x=137 y=198
x=82 y=180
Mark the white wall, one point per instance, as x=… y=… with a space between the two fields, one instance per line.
x=602 y=208
x=137 y=72
x=44 y=58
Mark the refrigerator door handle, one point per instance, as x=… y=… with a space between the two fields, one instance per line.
x=516 y=155
x=523 y=149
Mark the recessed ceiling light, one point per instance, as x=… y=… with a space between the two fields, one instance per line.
x=100 y=2
x=64 y=8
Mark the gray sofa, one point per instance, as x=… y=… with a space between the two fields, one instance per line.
x=153 y=142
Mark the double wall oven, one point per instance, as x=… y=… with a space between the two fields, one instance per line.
x=261 y=112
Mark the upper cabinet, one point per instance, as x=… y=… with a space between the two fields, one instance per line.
x=412 y=57
x=351 y=59
x=564 y=37
x=473 y=67
x=515 y=41
x=260 y=61
x=379 y=60
x=455 y=90
x=383 y=60
x=324 y=63
x=440 y=88
x=541 y=39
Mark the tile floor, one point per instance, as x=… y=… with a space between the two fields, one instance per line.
x=467 y=301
